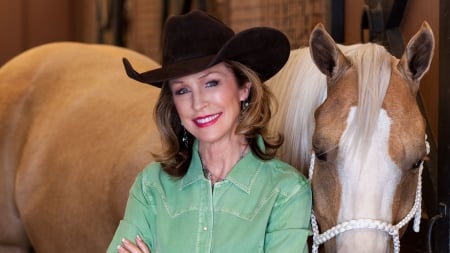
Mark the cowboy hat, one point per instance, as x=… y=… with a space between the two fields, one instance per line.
x=196 y=41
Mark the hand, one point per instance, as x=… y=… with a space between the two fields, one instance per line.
x=128 y=246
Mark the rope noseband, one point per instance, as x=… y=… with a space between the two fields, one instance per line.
x=392 y=230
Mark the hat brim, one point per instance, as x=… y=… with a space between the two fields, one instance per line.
x=156 y=77
x=265 y=50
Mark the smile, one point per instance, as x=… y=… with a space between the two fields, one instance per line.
x=207 y=121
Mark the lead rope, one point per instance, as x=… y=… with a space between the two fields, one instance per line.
x=392 y=230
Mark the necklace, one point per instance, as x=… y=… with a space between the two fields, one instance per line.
x=210 y=176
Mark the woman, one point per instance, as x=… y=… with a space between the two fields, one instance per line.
x=216 y=186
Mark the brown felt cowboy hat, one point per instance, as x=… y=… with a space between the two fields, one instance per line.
x=196 y=41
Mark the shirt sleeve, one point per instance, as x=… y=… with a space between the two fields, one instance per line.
x=137 y=218
x=289 y=225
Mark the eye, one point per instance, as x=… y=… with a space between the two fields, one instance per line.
x=212 y=83
x=181 y=91
x=321 y=155
x=417 y=164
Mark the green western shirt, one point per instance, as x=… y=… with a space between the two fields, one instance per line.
x=261 y=206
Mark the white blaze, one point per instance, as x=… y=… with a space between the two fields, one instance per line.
x=367 y=190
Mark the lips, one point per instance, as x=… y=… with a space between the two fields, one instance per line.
x=207 y=120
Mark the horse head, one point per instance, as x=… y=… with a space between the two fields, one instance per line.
x=368 y=142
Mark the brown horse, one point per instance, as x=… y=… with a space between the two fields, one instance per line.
x=74 y=132
x=355 y=107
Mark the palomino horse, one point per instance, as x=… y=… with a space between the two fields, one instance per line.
x=74 y=132
x=357 y=111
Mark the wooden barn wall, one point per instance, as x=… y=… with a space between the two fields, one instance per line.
x=25 y=24
x=144 y=24
x=296 y=18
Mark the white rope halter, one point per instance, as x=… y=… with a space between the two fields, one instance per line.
x=392 y=230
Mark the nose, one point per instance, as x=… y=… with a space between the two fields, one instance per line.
x=199 y=101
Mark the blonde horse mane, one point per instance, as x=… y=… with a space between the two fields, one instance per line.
x=300 y=88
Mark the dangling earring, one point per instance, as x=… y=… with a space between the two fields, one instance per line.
x=244 y=105
x=185 y=139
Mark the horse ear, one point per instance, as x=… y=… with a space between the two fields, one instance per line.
x=416 y=59
x=325 y=53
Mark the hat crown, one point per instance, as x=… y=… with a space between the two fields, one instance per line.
x=193 y=35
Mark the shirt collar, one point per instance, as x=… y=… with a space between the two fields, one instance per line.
x=243 y=175
x=195 y=170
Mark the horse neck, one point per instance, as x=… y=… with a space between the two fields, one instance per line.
x=300 y=88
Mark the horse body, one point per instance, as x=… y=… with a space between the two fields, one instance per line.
x=74 y=133
x=357 y=111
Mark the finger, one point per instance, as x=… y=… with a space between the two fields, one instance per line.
x=130 y=246
x=121 y=249
x=141 y=244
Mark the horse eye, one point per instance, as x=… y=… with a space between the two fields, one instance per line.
x=417 y=164
x=321 y=156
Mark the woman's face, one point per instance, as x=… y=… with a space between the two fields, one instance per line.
x=208 y=102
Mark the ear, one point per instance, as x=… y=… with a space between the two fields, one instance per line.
x=244 y=92
x=325 y=53
x=416 y=59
